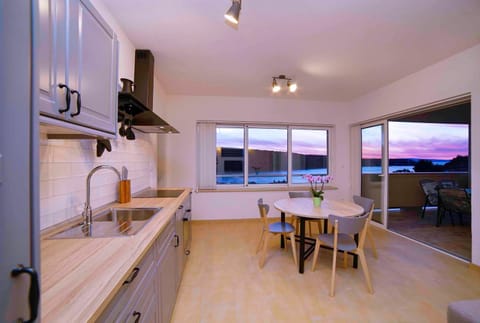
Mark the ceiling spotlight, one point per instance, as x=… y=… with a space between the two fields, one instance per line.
x=233 y=14
x=275 y=86
x=292 y=86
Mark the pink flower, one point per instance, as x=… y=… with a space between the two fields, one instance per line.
x=314 y=180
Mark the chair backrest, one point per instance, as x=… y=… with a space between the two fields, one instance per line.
x=447 y=183
x=349 y=224
x=364 y=202
x=263 y=209
x=429 y=187
x=455 y=199
x=352 y=225
x=293 y=195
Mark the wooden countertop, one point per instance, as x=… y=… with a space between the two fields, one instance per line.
x=79 y=277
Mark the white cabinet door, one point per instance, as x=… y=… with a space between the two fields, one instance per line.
x=93 y=60
x=167 y=280
x=79 y=50
x=52 y=57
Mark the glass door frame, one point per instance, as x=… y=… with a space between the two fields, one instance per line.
x=384 y=175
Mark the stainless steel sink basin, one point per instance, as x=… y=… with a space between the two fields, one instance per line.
x=122 y=214
x=113 y=222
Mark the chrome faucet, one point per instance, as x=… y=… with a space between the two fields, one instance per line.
x=87 y=211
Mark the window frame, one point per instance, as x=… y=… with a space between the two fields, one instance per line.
x=330 y=129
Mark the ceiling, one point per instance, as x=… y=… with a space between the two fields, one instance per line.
x=336 y=50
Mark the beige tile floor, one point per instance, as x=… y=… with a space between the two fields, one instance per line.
x=223 y=283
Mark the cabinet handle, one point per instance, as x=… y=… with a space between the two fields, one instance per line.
x=79 y=103
x=137 y=314
x=67 y=97
x=33 y=293
x=134 y=274
x=177 y=240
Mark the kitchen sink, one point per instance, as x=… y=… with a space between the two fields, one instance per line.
x=113 y=222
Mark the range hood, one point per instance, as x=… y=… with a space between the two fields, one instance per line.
x=139 y=103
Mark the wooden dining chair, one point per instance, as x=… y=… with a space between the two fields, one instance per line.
x=272 y=229
x=368 y=206
x=342 y=239
x=295 y=219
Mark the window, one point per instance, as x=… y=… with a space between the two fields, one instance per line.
x=269 y=155
x=309 y=153
x=230 y=156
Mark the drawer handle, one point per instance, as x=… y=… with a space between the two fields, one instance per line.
x=137 y=315
x=134 y=274
x=67 y=97
x=79 y=103
x=177 y=240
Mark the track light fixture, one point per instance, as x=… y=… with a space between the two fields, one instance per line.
x=233 y=14
x=292 y=86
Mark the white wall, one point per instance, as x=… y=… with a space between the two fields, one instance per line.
x=64 y=164
x=452 y=77
x=180 y=162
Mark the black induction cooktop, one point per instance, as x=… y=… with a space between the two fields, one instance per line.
x=158 y=193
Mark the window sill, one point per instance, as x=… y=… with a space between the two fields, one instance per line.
x=261 y=189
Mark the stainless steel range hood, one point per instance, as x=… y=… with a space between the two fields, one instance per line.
x=139 y=103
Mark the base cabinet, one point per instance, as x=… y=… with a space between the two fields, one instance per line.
x=134 y=298
x=150 y=292
x=166 y=284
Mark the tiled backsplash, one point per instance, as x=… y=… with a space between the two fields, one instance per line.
x=65 y=164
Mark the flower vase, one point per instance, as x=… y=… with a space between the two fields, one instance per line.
x=317 y=201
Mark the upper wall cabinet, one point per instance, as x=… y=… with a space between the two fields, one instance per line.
x=78 y=57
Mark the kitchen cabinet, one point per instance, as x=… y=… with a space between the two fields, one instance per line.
x=166 y=283
x=78 y=55
x=150 y=291
x=182 y=230
x=136 y=295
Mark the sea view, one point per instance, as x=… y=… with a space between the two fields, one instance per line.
x=297 y=178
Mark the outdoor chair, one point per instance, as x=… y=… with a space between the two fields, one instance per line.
x=453 y=201
x=273 y=229
x=342 y=239
x=429 y=188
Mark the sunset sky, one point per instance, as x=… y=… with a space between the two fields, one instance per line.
x=304 y=141
x=407 y=140
x=418 y=140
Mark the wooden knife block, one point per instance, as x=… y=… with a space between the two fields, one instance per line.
x=125 y=195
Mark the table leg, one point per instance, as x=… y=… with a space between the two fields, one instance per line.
x=355 y=257
x=282 y=240
x=301 y=257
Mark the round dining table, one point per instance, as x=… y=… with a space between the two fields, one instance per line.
x=303 y=208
